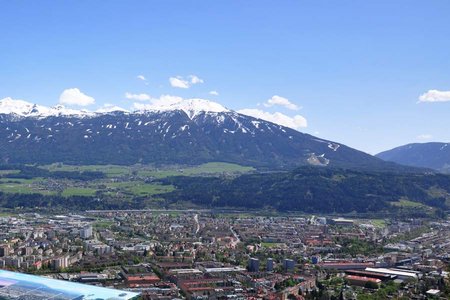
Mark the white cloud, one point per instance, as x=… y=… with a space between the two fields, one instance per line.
x=141 y=77
x=195 y=79
x=75 y=97
x=214 y=93
x=435 y=96
x=424 y=137
x=139 y=97
x=179 y=82
x=278 y=100
x=165 y=100
x=162 y=101
x=296 y=122
x=182 y=83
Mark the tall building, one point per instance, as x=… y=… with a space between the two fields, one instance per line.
x=253 y=265
x=4 y=250
x=61 y=262
x=288 y=265
x=27 y=251
x=315 y=259
x=86 y=232
x=269 y=265
x=14 y=262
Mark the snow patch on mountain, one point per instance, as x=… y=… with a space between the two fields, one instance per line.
x=332 y=146
x=26 y=109
x=192 y=107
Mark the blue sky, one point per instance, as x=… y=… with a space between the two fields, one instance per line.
x=356 y=68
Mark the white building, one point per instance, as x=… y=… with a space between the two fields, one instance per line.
x=86 y=232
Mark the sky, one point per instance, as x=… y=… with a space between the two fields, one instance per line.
x=369 y=74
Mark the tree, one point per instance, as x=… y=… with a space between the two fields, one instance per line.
x=371 y=285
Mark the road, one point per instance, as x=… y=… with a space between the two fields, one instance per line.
x=197 y=223
x=236 y=240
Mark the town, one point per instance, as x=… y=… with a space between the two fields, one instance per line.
x=232 y=255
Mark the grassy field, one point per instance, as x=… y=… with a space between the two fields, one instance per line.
x=75 y=191
x=121 y=181
x=16 y=188
x=204 y=169
x=103 y=223
x=109 y=170
x=380 y=223
x=140 y=188
x=437 y=192
x=149 y=171
x=21 y=186
x=19 y=180
x=7 y=214
x=405 y=203
x=6 y=172
x=218 y=167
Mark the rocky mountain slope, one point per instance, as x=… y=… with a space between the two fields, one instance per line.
x=191 y=132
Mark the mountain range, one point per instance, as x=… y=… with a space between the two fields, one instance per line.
x=424 y=155
x=188 y=132
x=196 y=131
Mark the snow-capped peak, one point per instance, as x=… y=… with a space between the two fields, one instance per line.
x=61 y=110
x=191 y=107
x=110 y=109
x=19 y=107
x=27 y=109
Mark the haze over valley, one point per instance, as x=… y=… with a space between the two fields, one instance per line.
x=194 y=150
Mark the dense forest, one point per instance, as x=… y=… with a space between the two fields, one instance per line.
x=305 y=189
x=29 y=172
x=314 y=189
x=74 y=203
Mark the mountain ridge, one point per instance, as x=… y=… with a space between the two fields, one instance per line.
x=188 y=132
x=433 y=155
x=191 y=107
